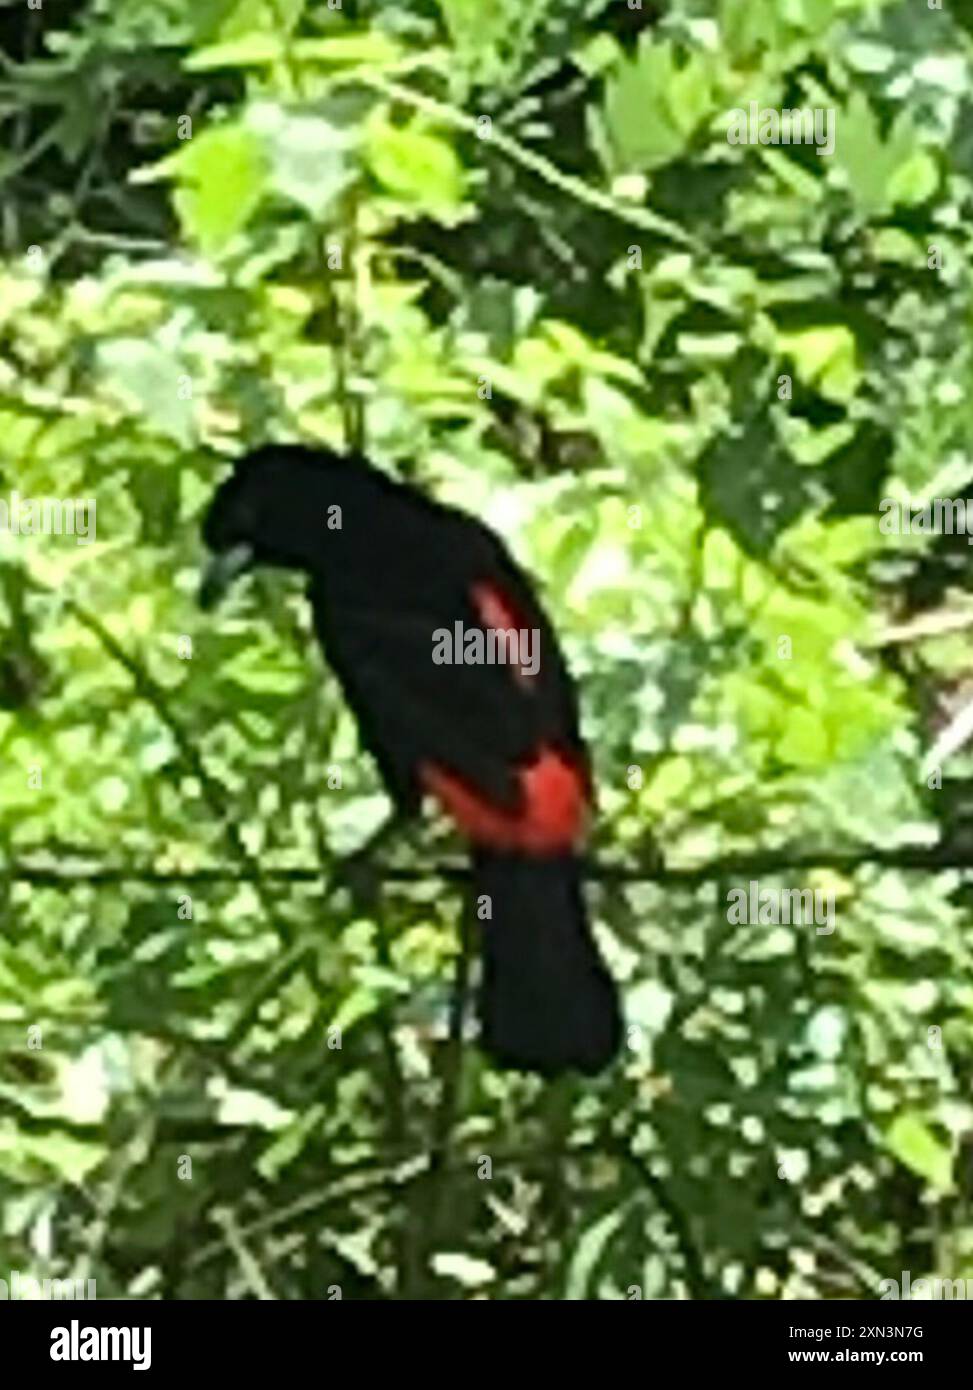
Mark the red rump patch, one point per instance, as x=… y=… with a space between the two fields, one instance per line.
x=551 y=818
x=494 y=609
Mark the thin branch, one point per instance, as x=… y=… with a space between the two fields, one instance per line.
x=696 y=1278
x=630 y=213
x=156 y=697
x=909 y=858
x=17 y=164
x=249 y=1265
x=937 y=624
x=424 y=1219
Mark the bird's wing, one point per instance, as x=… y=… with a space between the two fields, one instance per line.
x=478 y=720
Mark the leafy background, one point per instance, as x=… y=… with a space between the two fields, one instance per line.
x=505 y=245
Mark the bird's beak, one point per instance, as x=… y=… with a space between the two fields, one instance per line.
x=221 y=570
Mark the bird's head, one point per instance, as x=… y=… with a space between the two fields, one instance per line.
x=273 y=509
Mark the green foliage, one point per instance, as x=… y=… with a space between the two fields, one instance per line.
x=509 y=248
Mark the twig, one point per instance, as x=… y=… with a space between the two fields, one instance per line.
x=629 y=213
x=254 y=1275
x=909 y=858
x=421 y=1241
x=154 y=695
x=699 y=1285
x=923 y=625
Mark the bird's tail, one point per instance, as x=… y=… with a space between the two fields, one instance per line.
x=547 y=1002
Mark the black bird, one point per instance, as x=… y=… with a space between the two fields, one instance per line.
x=392 y=573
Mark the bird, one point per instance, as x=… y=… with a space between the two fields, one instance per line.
x=393 y=577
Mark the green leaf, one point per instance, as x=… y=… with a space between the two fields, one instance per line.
x=222 y=177
x=804 y=742
x=420 y=170
x=882 y=173
x=466 y=1270
x=360 y=1003
x=589 y=1250
x=751 y=486
x=643 y=130
x=251 y=50
x=60 y=1155
x=655 y=102
x=913 y=1143
x=155 y=381
x=219 y=20
x=249 y=1108
x=306 y=156
x=374 y=49
x=914 y=181
x=825 y=358
x=489 y=38
x=289 y=1143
